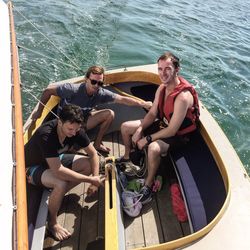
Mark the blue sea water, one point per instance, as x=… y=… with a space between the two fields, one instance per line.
x=211 y=38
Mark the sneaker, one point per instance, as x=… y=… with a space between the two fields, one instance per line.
x=121 y=163
x=121 y=160
x=131 y=169
x=146 y=193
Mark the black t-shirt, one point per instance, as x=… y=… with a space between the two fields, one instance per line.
x=45 y=144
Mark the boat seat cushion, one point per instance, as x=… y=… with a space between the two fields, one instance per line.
x=194 y=203
x=201 y=181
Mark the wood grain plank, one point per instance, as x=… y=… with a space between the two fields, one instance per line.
x=50 y=243
x=185 y=228
x=134 y=234
x=170 y=224
x=73 y=217
x=151 y=224
x=89 y=220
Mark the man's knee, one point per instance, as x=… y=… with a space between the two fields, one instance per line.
x=128 y=127
x=154 y=149
x=110 y=114
x=60 y=186
x=124 y=126
x=107 y=115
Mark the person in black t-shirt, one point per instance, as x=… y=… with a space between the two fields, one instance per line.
x=50 y=165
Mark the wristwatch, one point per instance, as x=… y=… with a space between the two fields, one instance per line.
x=149 y=139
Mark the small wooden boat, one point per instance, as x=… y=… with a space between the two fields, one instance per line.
x=214 y=184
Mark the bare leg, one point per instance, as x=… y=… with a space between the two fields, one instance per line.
x=155 y=150
x=127 y=130
x=81 y=164
x=55 y=200
x=104 y=118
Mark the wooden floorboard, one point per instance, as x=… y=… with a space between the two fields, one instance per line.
x=151 y=224
x=170 y=225
x=89 y=220
x=73 y=217
x=84 y=217
x=50 y=243
x=134 y=233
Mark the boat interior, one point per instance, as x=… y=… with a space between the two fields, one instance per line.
x=194 y=168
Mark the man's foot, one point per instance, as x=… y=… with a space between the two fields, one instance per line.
x=58 y=232
x=102 y=149
x=146 y=193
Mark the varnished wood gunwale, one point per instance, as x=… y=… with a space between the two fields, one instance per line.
x=21 y=199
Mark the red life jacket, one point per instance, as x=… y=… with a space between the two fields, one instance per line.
x=166 y=109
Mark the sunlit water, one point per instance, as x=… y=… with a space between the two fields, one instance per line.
x=211 y=38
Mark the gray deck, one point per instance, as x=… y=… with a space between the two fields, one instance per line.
x=84 y=217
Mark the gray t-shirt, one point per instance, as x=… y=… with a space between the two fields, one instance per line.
x=77 y=94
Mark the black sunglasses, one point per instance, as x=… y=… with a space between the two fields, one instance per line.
x=94 y=82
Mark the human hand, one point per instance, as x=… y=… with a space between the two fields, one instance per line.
x=97 y=180
x=147 y=105
x=135 y=138
x=142 y=143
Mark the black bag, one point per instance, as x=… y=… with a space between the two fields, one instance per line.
x=139 y=158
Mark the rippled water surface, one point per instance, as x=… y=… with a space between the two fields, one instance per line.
x=211 y=38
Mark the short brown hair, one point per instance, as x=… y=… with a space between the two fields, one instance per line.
x=97 y=70
x=174 y=59
x=71 y=113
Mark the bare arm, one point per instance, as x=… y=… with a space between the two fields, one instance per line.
x=94 y=159
x=183 y=101
x=47 y=93
x=64 y=173
x=67 y=174
x=150 y=116
x=94 y=162
x=132 y=101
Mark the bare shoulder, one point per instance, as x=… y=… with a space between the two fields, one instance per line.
x=185 y=97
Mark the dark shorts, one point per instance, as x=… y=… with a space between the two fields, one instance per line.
x=86 y=116
x=34 y=173
x=174 y=142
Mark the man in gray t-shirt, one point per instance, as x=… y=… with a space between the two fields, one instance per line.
x=88 y=95
x=78 y=94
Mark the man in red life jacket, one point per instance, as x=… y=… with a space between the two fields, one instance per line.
x=176 y=107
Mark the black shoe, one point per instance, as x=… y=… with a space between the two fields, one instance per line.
x=121 y=160
x=146 y=193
